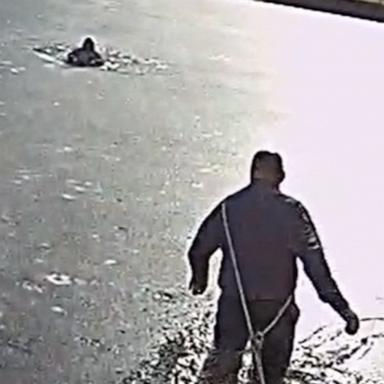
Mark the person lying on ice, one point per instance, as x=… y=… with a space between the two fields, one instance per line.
x=268 y=232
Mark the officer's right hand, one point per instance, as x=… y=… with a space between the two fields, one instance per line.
x=197 y=287
x=352 y=320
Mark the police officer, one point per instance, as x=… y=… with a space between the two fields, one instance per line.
x=270 y=231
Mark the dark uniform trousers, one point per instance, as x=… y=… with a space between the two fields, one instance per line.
x=231 y=335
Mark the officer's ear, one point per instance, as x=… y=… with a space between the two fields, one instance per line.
x=257 y=173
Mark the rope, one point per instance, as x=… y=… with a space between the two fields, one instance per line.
x=255 y=338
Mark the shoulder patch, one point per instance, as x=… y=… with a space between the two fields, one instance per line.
x=310 y=233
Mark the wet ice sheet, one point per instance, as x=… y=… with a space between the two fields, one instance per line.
x=115 y=60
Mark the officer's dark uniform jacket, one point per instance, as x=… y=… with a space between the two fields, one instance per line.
x=270 y=231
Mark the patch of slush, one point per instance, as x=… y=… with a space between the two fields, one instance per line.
x=327 y=356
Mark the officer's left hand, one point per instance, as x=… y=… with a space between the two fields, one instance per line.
x=197 y=287
x=353 y=324
x=352 y=321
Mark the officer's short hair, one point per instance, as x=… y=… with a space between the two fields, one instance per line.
x=264 y=156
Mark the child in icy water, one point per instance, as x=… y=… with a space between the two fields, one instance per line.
x=85 y=56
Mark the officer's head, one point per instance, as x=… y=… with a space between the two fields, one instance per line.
x=89 y=44
x=268 y=166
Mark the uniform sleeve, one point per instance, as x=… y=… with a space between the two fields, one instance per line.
x=311 y=253
x=207 y=240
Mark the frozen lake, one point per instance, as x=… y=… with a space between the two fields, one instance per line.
x=104 y=176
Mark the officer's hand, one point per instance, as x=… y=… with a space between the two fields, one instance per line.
x=197 y=287
x=353 y=323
